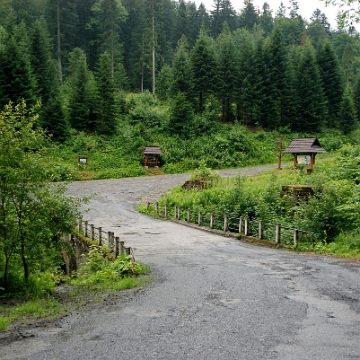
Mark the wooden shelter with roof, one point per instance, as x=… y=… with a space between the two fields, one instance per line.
x=304 y=151
x=152 y=155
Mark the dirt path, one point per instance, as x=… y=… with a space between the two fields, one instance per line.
x=211 y=297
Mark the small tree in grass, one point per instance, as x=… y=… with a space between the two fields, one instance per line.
x=33 y=211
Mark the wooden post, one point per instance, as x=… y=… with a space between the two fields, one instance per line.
x=296 y=236
x=92 y=232
x=278 y=233
x=110 y=240
x=80 y=226
x=261 y=229
x=199 y=218
x=147 y=206
x=122 y=251
x=178 y=213
x=86 y=229
x=295 y=161
x=157 y=208
x=246 y=231
x=226 y=222
x=211 y=221
x=175 y=212
x=188 y=215
x=166 y=210
x=240 y=224
x=100 y=235
x=117 y=247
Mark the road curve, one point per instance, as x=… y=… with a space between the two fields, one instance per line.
x=211 y=298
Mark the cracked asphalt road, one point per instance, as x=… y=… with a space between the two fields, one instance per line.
x=211 y=298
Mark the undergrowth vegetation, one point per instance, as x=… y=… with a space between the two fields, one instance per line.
x=330 y=215
x=144 y=122
x=39 y=298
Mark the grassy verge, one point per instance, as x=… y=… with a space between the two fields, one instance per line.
x=328 y=215
x=100 y=280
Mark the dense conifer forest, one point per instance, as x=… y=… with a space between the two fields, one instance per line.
x=267 y=68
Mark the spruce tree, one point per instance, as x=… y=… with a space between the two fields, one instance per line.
x=347 y=115
x=312 y=102
x=16 y=78
x=53 y=119
x=331 y=80
x=205 y=68
x=105 y=85
x=249 y=16
x=356 y=97
x=181 y=116
x=81 y=94
x=227 y=72
x=275 y=82
x=182 y=71
x=42 y=64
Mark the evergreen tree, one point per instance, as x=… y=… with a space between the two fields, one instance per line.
x=16 y=79
x=275 y=81
x=181 y=118
x=105 y=85
x=108 y=15
x=205 y=68
x=62 y=18
x=41 y=61
x=222 y=12
x=182 y=71
x=347 y=115
x=249 y=16
x=356 y=97
x=227 y=72
x=312 y=103
x=53 y=119
x=266 y=20
x=332 y=81
x=82 y=94
x=164 y=81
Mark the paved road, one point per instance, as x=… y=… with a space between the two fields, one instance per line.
x=211 y=297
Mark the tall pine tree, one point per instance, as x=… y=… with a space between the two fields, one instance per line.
x=105 y=85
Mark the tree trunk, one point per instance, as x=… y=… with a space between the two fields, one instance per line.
x=58 y=35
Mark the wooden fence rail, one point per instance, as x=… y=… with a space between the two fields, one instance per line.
x=241 y=225
x=104 y=237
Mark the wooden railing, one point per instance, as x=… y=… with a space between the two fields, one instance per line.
x=237 y=225
x=104 y=237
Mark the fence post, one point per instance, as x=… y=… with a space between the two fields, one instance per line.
x=80 y=226
x=157 y=208
x=296 y=236
x=86 y=229
x=147 y=206
x=261 y=229
x=211 y=221
x=92 y=232
x=166 y=210
x=110 y=240
x=199 y=218
x=117 y=244
x=178 y=213
x=277 y=233
x=100 y=235
x=240 y=224
x=188 y=215
x=226 y=222
x=121 y=244
x=246 y=230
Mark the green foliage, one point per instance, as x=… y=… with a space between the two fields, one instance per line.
x=330 y=215
x=35 y=213
x=100 y=267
